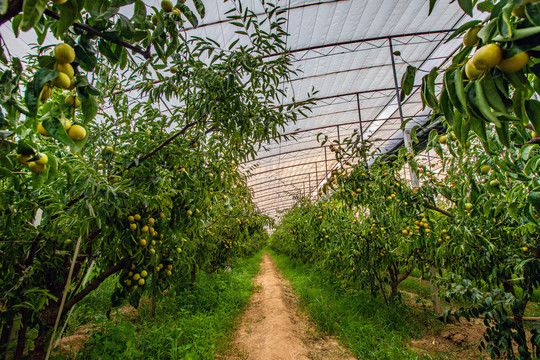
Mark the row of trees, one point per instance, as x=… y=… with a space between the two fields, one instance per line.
x=119 y=153
x=474 y=225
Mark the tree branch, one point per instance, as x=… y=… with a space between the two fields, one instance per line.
x=143 y=52
x=444 y=212
x=14 y=7
x=94 y=284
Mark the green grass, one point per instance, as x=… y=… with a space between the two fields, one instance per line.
x=189 y=324
x=369 y=328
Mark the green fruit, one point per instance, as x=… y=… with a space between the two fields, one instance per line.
x=485 y=169
x=487 y=57
x=62 y=81
x=109 y=149
x=155 y=19
x=77 y=132
x=65 y=68
x=471 y=36
x=166 y=5
x=37 y=168
x=23 y=159
x=43 y=159
x=515 y=63
x=442 y=139
x=468 y=206
x=73 y=101
x=494 y=183
x=472 y=72
x=63 y=53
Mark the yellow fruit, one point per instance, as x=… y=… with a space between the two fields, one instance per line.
x=137 y=217
x=534 y=134
x=178 y=250
x=42 y=130
x=485 y=169
x=23 y=159
x=73 y=101
x=73 y=83
x=471 y=36
x=43 y=159
x=144 y=229
x=167 y=5
x=37 y=168
x=468 y=206
x=66 y=123
x=141 y=282
x=136 y=277
x=177 y=12
x=142 y=242
x=519 y=11
x=152 y=251
x=135 y=287
x=515 y=63
x=128 y=282
x=63 y=53
x=453 y=137
x=65 y=68
x=132 y=268
x=162 y=215
x=487 y=57
x=62 y=81
x=189 y=212
x=155 y=19
x=77 y=132
x=133 y=227
x=442 y=139
x=472 y=72
x=58 y=2
x=169 y=272
x=525 y=248
x=144 y=273
x=131 y=219
x=151 y=221
x=169 y=267
x=153 y=242
x=46 y=93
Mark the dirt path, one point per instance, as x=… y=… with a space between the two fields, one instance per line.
x=272 y=329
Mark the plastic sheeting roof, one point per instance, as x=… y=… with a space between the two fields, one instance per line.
x=343 y=49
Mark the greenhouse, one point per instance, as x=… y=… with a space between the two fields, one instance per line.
x=244 y=179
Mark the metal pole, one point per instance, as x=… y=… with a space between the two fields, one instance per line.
x=316 y=177
x=326 y=160
x=338 y=138
x=406 y=134
x=359 y=117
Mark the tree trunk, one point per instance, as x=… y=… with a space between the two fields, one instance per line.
x=40 y=352
x=437 y=307
x=4 y=338
x=518 y=316
x=193 y=275
x=21 y=339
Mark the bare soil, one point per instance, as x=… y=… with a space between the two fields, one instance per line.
x=272 y=328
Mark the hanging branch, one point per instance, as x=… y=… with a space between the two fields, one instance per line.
x=143 y=52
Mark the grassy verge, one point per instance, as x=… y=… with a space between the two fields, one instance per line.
x=188 y=324
x=369 y=328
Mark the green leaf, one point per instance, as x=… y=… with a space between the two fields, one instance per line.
x=32 y=12
x=69 y=11
x=34 y=87
x=485 y=6
x=534 y=199
x=139 y=12
x=463 y=28
x=188 y=14
x=3 y=6
x=532 y=109
x=200 y=7
x=55 y=127
x=89 y=108
x=467 y=6
x=407 y=81
x=86 y=55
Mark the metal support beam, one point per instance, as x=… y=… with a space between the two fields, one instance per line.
x=406 y=134
x=360 y=117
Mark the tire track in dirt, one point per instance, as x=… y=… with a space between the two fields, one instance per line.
x=272 y=329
